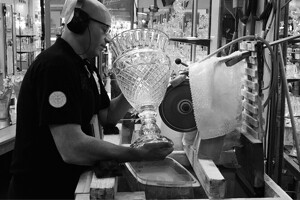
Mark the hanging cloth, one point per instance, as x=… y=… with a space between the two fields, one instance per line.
x=216 y=96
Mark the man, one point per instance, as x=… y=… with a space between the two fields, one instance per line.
x=60 y=93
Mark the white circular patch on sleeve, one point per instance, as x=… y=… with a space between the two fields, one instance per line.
x=57 y=99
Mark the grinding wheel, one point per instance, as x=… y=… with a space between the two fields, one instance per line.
x=176 y=109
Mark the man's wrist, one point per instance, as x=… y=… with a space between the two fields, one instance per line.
x=137 y=154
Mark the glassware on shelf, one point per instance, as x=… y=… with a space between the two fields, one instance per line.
x=292 y=71
x=289 y=56
x=142 y=70
x=297 y=70
x=295 y=105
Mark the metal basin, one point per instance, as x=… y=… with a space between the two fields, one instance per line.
x=161 y=179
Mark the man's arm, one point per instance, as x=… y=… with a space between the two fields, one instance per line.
x=75 y=147
x=117 y=109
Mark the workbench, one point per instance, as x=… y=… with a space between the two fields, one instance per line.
x=210 y=177
x=90 y=187
x=7 y=139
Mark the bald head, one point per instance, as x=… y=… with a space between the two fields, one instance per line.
x=93 y=8
x=87 y=39
x=97 y=10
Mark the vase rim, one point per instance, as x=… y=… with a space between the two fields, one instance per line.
x=137 y=29
x=139 y=38
x=133 y=51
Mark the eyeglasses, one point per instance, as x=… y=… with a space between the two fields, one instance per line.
x=107 y=27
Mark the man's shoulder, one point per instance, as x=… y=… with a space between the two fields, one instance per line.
x=54 y=56
x=55 y=53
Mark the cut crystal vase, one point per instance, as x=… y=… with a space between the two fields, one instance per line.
x=142 y=70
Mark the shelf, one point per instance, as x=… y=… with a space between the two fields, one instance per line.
x=192 y=40
x=293 y=79
x=288 y=117
x=25 y=51
x=294 y=41
x=295 y=60
x=25 y=35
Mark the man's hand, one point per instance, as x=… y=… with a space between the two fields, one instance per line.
x=155 y=151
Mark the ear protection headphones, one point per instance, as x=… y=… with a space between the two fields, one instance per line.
x=80 y=20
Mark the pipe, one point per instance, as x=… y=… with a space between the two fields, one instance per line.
x=284 y=40
x=194 y=30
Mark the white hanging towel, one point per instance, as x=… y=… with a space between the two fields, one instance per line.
x=216 y=95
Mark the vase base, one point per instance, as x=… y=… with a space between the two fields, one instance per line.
x=150 y=139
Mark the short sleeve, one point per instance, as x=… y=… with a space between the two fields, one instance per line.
x=58 y=96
